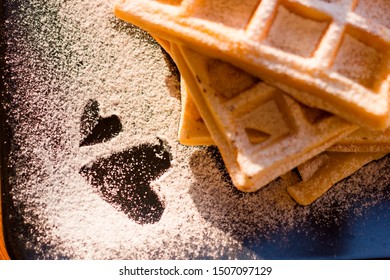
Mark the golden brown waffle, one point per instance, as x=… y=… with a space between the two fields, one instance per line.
x=364 y=140
x=332 y=55
x=261 y=132
x=195 y=132
x=321 y=172
x=192 y=129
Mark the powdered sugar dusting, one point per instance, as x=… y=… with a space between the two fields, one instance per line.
x=62 y=54
x=374 y=11
x=295 y=34
x=308 y=169
x=358 y=61
x=216 y=11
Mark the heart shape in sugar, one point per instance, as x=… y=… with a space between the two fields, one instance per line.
x=94 y=128
x=123 y=180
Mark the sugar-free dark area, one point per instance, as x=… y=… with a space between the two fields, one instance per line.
x=94 y=128
x=91 y=167
x=123 y=180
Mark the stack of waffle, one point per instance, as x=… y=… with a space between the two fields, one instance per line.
x=279 y=85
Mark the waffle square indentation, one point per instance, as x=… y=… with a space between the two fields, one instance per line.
x=266 y=123
x=359 y=61
x=233 y=13
x=294 y=33
x=377 y=11
x=228 y=80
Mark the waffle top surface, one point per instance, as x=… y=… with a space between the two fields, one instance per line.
x=337 y=51
x=261 y=132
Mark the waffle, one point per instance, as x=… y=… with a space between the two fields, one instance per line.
x=339 y=161
x=330 y=54
x=321 y=172
x=194 y=132
x=364 y=140
x=260 y=131
x=192 y=129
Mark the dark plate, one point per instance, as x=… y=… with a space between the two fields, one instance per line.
x=133 y=191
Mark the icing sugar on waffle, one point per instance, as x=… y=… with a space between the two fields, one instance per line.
x=261 y=132
x=333 y=55
x=323 y=171
x=364 y=140
x=319 y=173
x=193 y=131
